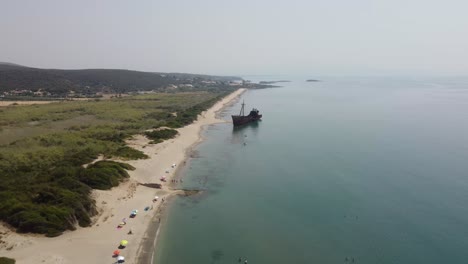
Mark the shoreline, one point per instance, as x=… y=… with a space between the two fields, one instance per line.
x=149 y=246
x=96 y=243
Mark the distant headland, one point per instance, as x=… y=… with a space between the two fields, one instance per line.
x=273 y=82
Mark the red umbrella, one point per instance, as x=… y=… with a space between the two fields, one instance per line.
x=117 y=252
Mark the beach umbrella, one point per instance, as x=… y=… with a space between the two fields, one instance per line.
x=117 y=252
x=120 y=259
x=123 y=243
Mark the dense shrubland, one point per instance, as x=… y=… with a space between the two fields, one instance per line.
x=4 y=260
x=158 y=136
x=44 y=187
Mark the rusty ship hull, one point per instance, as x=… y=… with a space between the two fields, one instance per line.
x=241 y=119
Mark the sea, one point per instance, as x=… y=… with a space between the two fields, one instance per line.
x=345 y=170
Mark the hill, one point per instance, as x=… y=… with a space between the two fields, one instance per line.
x=60 y=82
x=2 y=63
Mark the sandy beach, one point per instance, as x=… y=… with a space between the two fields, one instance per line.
x=96 y=244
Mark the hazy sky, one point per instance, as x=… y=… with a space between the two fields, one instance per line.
x=322 y=37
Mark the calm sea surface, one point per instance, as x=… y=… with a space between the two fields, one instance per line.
x=370 y=170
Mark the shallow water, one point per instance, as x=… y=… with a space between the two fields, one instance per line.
x=366 y=169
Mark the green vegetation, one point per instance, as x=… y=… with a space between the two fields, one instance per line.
x=189 y=114
x=4 y=260
x=158 y=136
x=44 y=186
x=90 y=81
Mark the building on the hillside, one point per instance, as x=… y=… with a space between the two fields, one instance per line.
x=171 y=87
x=235 y=83
x=21 y=92
x=39 y=93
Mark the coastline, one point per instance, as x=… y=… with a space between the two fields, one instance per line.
x=95 y=244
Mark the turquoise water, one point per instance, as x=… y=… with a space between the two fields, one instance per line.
x=367 y=169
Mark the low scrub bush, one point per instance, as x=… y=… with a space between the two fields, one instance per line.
x=104 y=175
x=4 y=260
x=160 y=135
x=129 y=153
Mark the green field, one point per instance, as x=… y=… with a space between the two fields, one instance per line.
x=43 y=186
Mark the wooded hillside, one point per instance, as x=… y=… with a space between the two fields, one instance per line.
x=16 y=77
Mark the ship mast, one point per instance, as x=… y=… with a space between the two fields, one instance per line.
x=242 y=109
